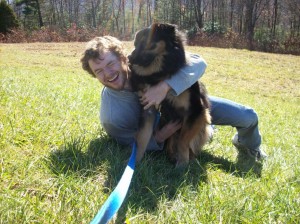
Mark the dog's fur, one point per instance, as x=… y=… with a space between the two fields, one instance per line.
x=159 y=54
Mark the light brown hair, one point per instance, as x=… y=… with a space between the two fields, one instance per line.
x=97 y=46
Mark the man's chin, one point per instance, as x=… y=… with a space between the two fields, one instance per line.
x=117 y=87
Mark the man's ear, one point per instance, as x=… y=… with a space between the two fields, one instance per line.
x=124 y=59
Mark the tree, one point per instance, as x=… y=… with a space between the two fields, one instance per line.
x=275 y=20
x=293 y=10
x=31 y=8
x=198 y=12
x=8 y=19
x=253 y=12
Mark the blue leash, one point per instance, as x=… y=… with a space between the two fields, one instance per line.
x=116 y=198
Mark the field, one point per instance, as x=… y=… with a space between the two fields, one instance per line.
x=58 y=166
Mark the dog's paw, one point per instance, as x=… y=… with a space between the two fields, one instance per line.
x=181 y=164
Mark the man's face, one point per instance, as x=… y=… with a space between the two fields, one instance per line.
x=109 y=70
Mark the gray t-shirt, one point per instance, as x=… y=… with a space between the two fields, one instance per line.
x=120 y=110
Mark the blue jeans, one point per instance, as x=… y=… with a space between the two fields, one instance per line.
x=244 y=119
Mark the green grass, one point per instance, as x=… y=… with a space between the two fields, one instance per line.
x=58 y=166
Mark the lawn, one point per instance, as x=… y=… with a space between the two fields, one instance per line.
x=58 y=166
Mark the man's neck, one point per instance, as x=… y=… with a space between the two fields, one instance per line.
x=127 y=85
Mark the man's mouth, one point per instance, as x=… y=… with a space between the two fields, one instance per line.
x=116 y=75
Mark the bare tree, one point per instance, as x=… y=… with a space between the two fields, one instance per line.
x=132 y=16
x=123 y=15
x=116 y=11
x=275 y=18
x=252 y=12
x=293 y=9
x=212 y=16
x=199 y=11
x=232 y=4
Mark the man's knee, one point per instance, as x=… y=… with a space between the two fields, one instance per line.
x=251 y=117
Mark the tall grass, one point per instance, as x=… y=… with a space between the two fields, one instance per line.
x=58 y=166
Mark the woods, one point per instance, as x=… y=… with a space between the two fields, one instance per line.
x=268 y=25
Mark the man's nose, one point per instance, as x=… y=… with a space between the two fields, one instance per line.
x=107 y=71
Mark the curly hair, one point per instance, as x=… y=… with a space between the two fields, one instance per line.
x=98 y=46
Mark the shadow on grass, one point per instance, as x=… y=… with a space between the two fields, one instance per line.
x=153 y=179
x=244 y=166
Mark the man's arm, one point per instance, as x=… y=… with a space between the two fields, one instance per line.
x=188 y=75
x=178 y=83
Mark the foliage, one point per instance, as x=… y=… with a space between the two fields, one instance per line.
x=291 y=46
x=226 y=40
x=8 y=19
x=213 y=28
x=242 y=19
x=75 y=33
x=58 y=166
x=31 y=12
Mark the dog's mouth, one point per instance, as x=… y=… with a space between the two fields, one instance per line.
x=116 y=75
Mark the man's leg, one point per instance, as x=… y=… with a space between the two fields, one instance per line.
x=244 y=119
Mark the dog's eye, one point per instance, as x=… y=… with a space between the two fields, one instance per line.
x=152 y=46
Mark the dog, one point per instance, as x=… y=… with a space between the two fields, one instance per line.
x=159 y=53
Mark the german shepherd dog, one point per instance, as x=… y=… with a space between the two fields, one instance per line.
x=158 y=55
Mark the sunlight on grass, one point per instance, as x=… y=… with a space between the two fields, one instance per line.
x=58 y=166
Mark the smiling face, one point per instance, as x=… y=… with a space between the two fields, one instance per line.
x=105 y=58
x=110 y=70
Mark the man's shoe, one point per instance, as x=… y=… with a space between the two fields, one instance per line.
x=257 y=154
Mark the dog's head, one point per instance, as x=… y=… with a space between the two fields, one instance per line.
x=158 y=49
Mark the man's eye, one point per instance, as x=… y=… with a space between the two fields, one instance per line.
x=99 y=72
x=110 y=64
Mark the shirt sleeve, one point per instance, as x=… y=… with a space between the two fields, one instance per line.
x=188 y=75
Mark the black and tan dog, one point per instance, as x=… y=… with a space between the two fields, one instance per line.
x=159 y=54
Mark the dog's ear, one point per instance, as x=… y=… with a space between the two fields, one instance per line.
x=169 y=29
x=164 y=30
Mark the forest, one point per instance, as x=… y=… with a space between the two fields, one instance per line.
x=263 y=25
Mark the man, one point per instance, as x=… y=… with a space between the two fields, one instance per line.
x=106 y=60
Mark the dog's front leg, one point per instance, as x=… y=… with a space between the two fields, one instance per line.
x=145 y=131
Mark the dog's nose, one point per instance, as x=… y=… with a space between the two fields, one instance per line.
x=129 y=57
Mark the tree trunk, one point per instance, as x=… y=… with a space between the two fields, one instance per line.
x=249 y=22
x=132 y=17
x=275 y=19
x=40 y=18
x=231 y=14
x=212 y=16
x=198 y=14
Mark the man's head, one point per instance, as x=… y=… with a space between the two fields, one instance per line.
x=105 y=59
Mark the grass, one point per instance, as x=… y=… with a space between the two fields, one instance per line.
x=58 y=166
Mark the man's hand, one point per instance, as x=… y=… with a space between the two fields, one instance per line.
x=166 y=131
x=155 y=95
